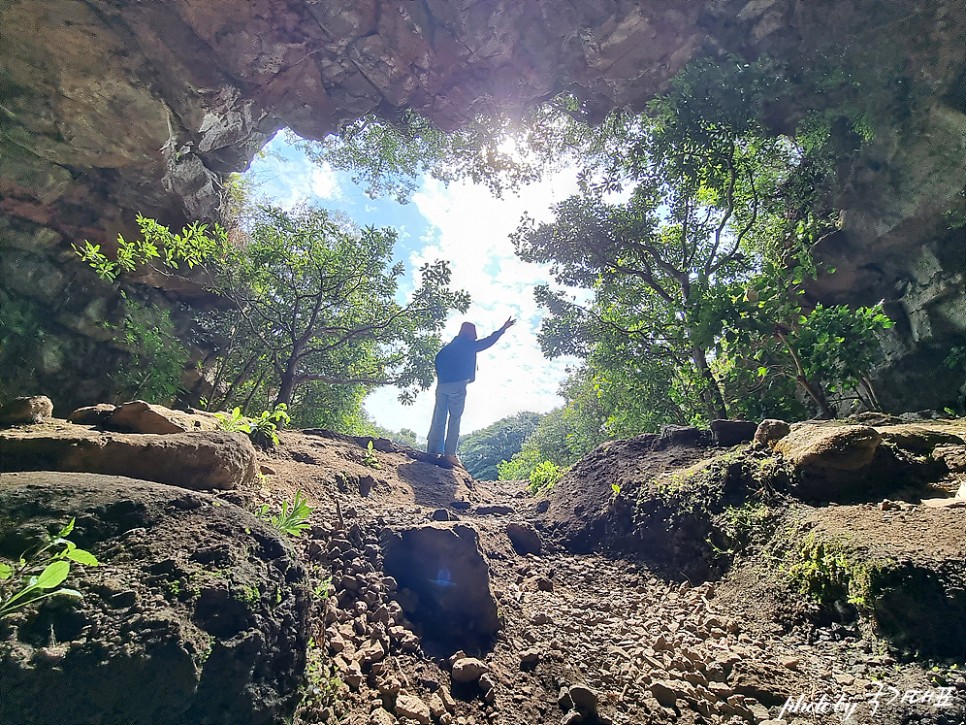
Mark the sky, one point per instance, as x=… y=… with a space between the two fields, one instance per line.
x=466 y=225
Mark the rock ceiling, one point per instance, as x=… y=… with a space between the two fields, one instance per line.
x=108 y=108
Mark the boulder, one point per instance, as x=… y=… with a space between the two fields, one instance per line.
x=770 y=431
x=213 y=460
x=829 y=461
x=444 y=583
x=199 y=611
x=837 y=448
x=917 y=438
x=92 y=414
x=26 y=410
x=524 y=538
x=729 y=433
x=138 y=416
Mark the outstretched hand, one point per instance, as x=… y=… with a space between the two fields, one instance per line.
x=510 y=322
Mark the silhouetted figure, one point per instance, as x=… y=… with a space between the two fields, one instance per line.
x=455 y=369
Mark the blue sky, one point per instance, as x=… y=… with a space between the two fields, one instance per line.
x=464 y=224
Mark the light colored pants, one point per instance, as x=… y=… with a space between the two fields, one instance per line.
x=450 y=401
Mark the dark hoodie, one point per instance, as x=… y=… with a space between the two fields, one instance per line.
x=457 y=360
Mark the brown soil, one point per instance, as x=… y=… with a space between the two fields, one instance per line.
x=731 y=645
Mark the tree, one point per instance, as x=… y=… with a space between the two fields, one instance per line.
x=482 y=450
x=652 y=262
x=321 y=301
x=680 y=211
x=315 y=315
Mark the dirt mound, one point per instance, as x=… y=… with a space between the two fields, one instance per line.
x=198 y=612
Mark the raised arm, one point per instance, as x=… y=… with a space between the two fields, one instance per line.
x=491 y=340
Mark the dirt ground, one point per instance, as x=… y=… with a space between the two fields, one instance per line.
x=652 y=647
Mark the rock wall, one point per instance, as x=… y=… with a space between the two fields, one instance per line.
x=109 y=108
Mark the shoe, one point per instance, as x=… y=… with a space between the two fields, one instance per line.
x=452 y=461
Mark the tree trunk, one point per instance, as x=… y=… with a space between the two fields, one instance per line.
x=814 y=390
x=287 y=384
x=713 y=396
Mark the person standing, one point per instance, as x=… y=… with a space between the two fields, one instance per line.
x=455 y=369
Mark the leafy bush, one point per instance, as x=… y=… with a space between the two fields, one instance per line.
x=543 y=477
x=40 y=575
x=264 y=428
x=520 y=466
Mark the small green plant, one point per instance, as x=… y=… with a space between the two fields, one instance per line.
x=251 y=595
x=40 y=575
x=322 y=589
x=369 y=459
x=292 y=519
x=825 y=573
x=263 y=430
x=543 y=477
x=234 y=423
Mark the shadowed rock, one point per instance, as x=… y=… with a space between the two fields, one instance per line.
x=444 y=584
x=191 y=460
x=198 y=612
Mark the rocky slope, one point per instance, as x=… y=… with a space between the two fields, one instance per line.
x=709 y=586
x=113 y=108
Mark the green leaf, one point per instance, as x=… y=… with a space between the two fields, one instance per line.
x=71 y=593
x=83 y=557
x=6 y=571
x=53 y=575
x=67 y=529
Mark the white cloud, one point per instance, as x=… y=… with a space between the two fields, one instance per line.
x=324 y=183
x=470 y=229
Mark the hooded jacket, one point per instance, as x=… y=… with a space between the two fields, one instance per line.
x=457 y=360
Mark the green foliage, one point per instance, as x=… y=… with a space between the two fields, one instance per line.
x=482 y=450
x=543 y=477
x=154 y=357
x=370 y=459
x=322 y=588
x=520 y=466
x=698 y=174
x=314 y=306
x=234 y=422
x=825 y=571
x=743 y=524
x=263 y=429
x=390 y=156
x=40 y=574
x=318 y=306
x=695 y=281
x=293 y=517
x=159 y=247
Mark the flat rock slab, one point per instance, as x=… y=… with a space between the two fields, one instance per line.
x=138 y=416
x=198 y=461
